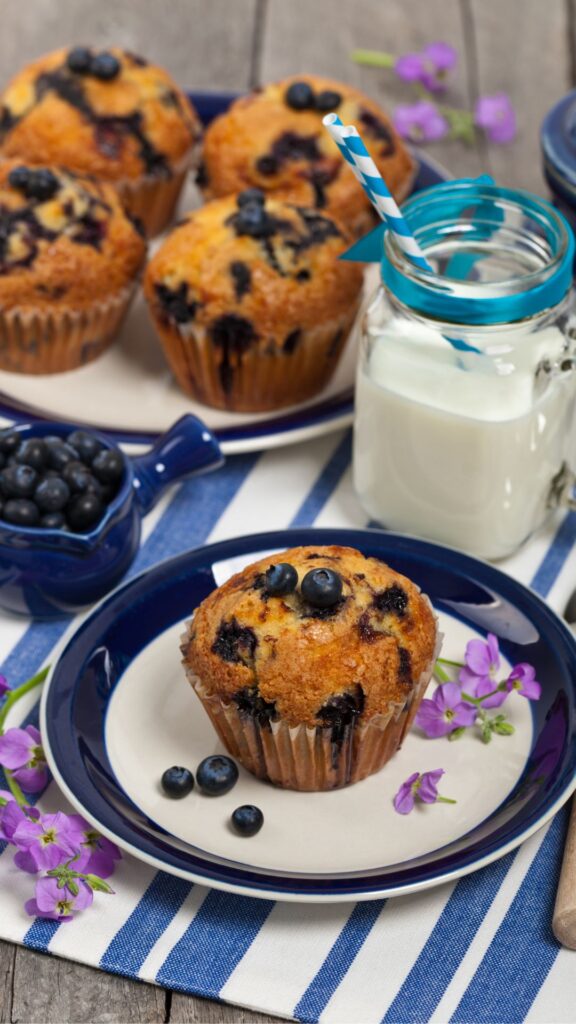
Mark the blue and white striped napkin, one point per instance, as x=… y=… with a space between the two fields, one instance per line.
x=477 y=950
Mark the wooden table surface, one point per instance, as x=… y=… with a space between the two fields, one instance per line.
x=524 y=47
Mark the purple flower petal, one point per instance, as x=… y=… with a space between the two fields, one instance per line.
x=84 y=898
x=470 y=681
x=487 y=686
x=25 y=860
x=447 y=696
x=4 y=688
x=431 y=720
x=16 y=748
x=496 y=115
x=420 y=122
x=443 y=56
x=477 y=657
x=32 y=908
x=410 y=67
x=428 y=791
x=464 y=715
x=523 y=679
x=32 y=780
x=404 y=799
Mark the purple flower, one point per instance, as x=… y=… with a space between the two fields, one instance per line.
x=47 y=842
x=478 y=677
x=98 y=855
x=523 y=679
x=420 y=122
x=58 y=904
x=429 y=67
x=21 y=752
x=422 y=786
x=4 y=687
x=496 y=115
x=445 y=712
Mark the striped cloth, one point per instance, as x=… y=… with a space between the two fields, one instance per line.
x=477 y=950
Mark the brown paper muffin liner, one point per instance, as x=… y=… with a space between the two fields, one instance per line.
x=152 y=198
x=53 y=341
x=303 y=757
x=254 y=380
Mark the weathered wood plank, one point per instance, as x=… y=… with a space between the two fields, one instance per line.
x=203 y=1011
x=523 y=48
x=204 y=45
x=7 y=955
x=319 y=36
x=52 y=990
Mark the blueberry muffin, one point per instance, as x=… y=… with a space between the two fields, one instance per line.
x=274 y=139
x=69 y=260
x=109 y=114
x=251 y=303
x=312 y=665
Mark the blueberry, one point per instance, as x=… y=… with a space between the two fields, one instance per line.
x=299 y=96
x=10 y=440
x=108 y=466
x=85 y=511
x=80 y=480
x=18 y=481
x=85 y=444
x=19 y=178
x=177 y=782
x=42 y=185
x=53 y=521
x=79 y=60
x=60 y=454
x=2 y=460
x=216 y=775
x=105 y=66
x=251 y=195
x=267 y=165
x=21 y=512
x=247 y=820
x=52 y=495
x=281 y=579
x=327 y=100
x=33 y=453
x=321 y=588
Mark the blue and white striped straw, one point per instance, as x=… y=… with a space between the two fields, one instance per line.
x=354 y=151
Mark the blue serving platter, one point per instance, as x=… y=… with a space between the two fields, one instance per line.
x=129 y=393
x=117 y=711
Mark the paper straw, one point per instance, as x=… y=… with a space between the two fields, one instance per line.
x=354 y=151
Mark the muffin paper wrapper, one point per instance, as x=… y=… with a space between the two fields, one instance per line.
x=152 y=198
x=303 y=757
x=53 y=341
x=257 y=381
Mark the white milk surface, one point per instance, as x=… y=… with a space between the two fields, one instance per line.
x=449 y=448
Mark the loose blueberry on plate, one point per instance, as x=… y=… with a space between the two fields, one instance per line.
x=281 y=579
x=247 y=820
x=52 y=495
x=177 y=782
x=322 y=588
x=216 y=775
x=108 y=467
x=21 y=512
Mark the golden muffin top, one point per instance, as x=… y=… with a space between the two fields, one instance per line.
x=347 y=635
x=106 y=113
x=274 y=139
x=64 y=240
x=256 y=261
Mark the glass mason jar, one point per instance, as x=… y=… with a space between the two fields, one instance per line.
x=465 y=389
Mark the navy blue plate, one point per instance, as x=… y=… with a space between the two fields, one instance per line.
x=105 y=644
x=331 y=413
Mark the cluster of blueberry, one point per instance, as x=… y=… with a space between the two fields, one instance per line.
x=321 y=588
x=301 y=96
x=56 y=483
x=252 y=218
x=215 y=775
x=39 y=184
x=82 y=61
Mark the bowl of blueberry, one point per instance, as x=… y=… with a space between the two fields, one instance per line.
x=71 y=506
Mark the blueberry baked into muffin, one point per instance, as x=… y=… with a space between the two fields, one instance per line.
x=69 y=260
x=312 y=665
x=274 y=139
x=109 y=114
x=251 y=303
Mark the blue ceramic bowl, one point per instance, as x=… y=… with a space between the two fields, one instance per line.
x=558 y=143
x=50 y=573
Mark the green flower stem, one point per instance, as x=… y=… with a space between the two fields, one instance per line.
x=456 y=664
x=15 y=789
x=373 y=58
x=15 y=695
x=479 y=700
x=440 y=673
x=445 y=800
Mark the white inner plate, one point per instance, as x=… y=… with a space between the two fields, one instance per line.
x=155 y=720
x=131 y=388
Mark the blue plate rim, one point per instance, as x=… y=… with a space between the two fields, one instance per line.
x=300 y=424
x=262 y=884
